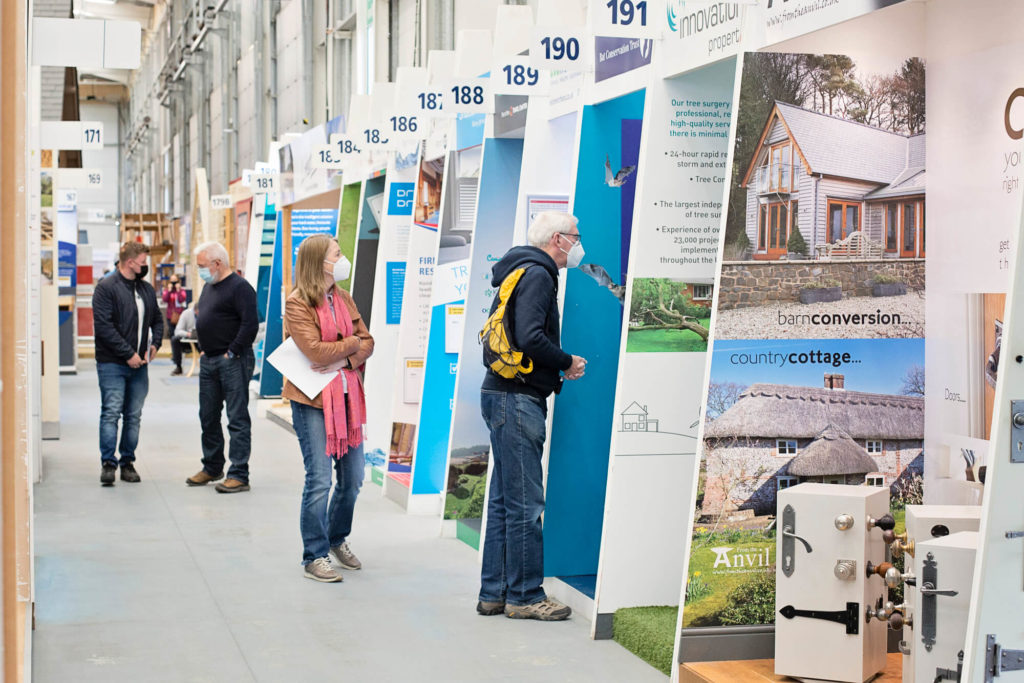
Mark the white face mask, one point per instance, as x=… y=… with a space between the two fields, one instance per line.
x=574 y=257
x=341 y=270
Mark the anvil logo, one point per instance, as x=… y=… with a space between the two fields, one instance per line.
x=727 y=557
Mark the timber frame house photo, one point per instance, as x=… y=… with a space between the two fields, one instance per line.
x=853 y=190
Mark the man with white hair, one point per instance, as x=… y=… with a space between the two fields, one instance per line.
x=226 y=328
x=515 y=411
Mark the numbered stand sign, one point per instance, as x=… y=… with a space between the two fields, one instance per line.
x=430 y=102
x=375 y=137
x=469 y=96
x=79 y=178
x=627 y=18
x=347 y=146
x=404 y=126
x=328 y=156
x=92 y=135
x=264 y=181
x=567 y=49
x=220 y=201
x=516 y=76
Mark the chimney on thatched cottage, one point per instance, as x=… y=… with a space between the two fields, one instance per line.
x=835 y=381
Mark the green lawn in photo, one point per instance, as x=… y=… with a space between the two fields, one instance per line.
x=652 y=341
x=467 y=500
x=710 y=588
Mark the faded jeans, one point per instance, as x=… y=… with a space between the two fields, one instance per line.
x=513 y=559
x=324 y=524
x=122 y=393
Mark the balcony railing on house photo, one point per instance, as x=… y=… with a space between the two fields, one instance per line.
x=775 y=179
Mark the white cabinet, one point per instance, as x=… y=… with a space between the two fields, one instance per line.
x=824 y=542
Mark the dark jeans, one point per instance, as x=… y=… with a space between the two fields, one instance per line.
x=224 y=382
x=513 y=561
x=122 y=393
x=176 y=351
x=324 y=525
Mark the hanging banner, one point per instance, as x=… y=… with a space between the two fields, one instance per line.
x=348 y=227
x=415 y=325
x=661 y=370
x=818 y=356
x=609 y=147
x=977 y=127
x=388 y=291
x=364 y=266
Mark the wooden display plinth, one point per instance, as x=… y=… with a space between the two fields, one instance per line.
x=758 y=670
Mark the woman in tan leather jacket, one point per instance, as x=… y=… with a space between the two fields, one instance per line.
x=327 y=328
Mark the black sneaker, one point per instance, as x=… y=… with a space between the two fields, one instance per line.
x=176 y=371
x=129 y=474
x=107 y=473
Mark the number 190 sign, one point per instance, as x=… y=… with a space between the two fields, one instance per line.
x=560 y=48
x=628 y=18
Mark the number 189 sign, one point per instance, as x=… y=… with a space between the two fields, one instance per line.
x=516 y=76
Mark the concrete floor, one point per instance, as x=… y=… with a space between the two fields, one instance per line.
x=161 y=582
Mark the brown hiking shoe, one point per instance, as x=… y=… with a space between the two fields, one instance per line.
x=201 y=478
x=545 y=610
x=232 y=486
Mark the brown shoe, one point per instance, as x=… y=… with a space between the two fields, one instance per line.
x=202 y=478
x=232 y=486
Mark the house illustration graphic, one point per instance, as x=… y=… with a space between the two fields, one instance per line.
x=635 y=419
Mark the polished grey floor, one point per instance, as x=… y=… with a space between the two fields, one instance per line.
x=160 y=582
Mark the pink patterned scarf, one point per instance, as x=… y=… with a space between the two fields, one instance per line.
x=344 y=412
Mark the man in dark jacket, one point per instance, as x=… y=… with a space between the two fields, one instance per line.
x=226 y=326
x=128 y=331
x=516 y=415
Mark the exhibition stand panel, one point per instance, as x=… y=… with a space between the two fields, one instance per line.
x=591 y=325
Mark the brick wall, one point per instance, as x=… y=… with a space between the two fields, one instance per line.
x=759 y=283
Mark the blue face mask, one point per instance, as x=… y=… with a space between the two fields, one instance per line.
x=206 y=275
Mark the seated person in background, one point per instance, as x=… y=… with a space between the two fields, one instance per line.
x=186 y=328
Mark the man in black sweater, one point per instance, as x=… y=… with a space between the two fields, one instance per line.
x=226 y=324
x=128 y=331
x=516 y=414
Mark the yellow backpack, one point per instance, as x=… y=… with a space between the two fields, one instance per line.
x=496 y=336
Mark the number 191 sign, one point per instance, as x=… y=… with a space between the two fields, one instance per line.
x=628 y=18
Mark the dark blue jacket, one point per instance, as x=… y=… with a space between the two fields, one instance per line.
x=536 y=329
x=116 y=319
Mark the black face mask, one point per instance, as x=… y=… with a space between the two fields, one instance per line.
x=143 y=272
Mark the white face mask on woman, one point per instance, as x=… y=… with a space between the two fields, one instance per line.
x=341 y=269
x=574 y=257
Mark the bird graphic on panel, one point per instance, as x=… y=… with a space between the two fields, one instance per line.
x=619 y=179
x=602 y=278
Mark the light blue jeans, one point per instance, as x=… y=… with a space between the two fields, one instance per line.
x=324 y=525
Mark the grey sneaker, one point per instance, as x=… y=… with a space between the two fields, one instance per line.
x=320 y=569
x=545 y=610
x=345 y=557
x=487 y=609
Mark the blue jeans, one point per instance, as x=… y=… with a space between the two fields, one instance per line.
x=224 y=382
x=513 y=562
x=324 y=525
x=122 y=393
